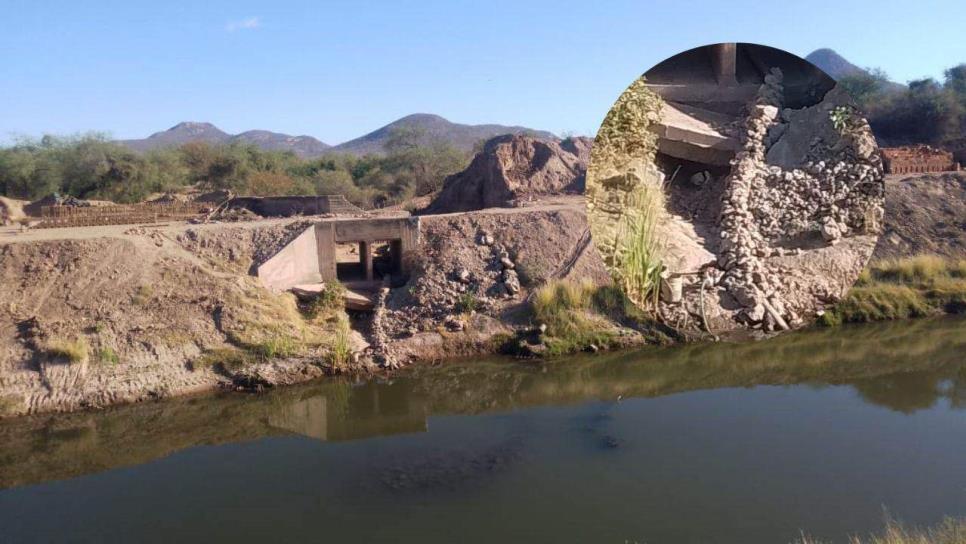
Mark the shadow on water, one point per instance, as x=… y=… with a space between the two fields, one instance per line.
x=903 y=367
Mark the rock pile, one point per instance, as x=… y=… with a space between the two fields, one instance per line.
x=766 y=208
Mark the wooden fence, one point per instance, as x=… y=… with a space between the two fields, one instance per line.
x=78 y=216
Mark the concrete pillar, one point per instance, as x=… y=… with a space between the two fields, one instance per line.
x=365 y=253
x=724 y=62
x=325 y=238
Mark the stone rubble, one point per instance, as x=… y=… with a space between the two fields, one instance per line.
x=766 y=206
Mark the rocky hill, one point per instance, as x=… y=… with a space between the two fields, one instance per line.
x=833 y=64
x=433 y=128
x=515 y=167
x=182 y=133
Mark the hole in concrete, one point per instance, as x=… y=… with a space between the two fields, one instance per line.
x=353 y=269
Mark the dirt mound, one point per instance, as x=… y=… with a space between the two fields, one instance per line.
x=924 y=214
x=512 y=168
x=484 y=264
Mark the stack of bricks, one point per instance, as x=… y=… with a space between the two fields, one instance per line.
x=84 y=216
x=918 y=159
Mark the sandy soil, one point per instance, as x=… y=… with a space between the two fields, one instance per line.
x=924 y=213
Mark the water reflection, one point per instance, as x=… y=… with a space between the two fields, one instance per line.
x=903 y=367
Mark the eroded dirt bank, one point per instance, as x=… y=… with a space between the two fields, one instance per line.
x=126 y=315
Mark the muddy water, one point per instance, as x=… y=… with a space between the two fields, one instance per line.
x=818 y=430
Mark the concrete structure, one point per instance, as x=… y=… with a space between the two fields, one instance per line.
x=918 y=159
x=287 y=206
x=707 y=88
x=312 y=256
x=694 y=134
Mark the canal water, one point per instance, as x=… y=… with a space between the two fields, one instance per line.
x=827 y=432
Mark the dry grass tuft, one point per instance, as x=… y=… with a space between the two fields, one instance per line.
x=76 y=350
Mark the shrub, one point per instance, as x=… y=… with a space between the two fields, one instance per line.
x=331 y=299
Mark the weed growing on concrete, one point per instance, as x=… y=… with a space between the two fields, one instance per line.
x=331 y=299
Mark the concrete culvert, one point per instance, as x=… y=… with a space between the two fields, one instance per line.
x=735 y=187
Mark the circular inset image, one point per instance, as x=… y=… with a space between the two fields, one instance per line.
x=735 y=187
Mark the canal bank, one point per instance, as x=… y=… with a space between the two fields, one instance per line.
x=711 y=442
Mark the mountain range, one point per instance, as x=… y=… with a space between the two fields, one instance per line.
x=431 y=128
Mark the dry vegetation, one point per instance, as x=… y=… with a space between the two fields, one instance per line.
x=949 y=531
x=625 y=198
x=582 y=314
x=902 y=288
x=75 y=350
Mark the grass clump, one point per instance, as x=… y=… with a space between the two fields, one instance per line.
x=638 y=256
x=75 y=351
x=340 y=351
x=467 y=303
x=142 y=295
x=903 y=288
x=107 y=355
x=276 y=346
x=567 y=309
x=949 y=531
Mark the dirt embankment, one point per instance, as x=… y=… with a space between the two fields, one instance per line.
x=90 y=322
x=476 y=271
x=924 y=214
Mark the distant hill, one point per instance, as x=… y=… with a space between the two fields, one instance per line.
x=837 y=66
x=433 y=128
x=833 y=64
x=303 y=146
x=182 y=133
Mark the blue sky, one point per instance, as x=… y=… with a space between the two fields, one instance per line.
x=336 y=70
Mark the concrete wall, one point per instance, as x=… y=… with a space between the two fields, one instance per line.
x=311 y=257
x=295 y=264
x=287 y=206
